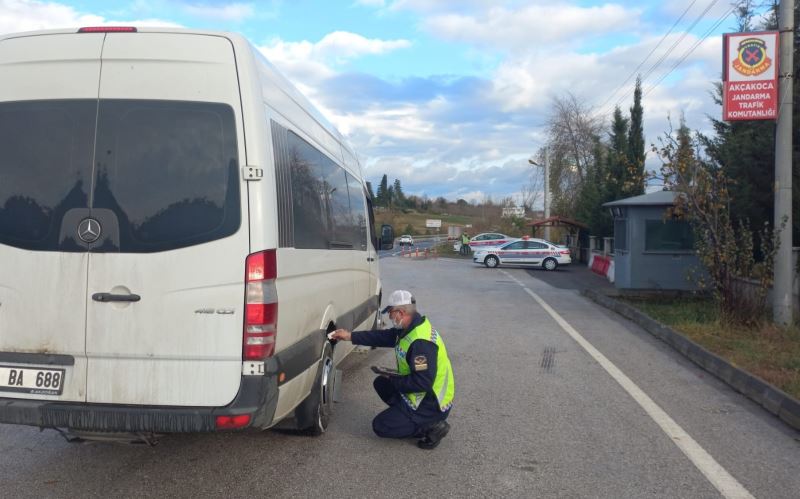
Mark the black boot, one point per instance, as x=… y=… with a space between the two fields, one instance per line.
x=434 y=435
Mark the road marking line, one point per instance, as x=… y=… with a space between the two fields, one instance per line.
x=724 y=482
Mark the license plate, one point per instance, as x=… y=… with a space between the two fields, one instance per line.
x=33 y=380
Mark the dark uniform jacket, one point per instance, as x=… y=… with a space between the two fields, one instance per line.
x=421 y=378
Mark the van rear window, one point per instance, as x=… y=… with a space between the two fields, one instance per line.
x=169 y=172
x=165 y=174
x=45 y=170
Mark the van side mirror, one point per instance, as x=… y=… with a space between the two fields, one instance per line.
x=387 y=237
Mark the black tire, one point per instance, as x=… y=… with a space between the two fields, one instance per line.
x=314 y=413
x=491 y=261
x=550 y=264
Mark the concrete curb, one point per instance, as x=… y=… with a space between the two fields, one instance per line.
x=781 y=404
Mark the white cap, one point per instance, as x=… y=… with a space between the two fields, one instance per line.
x=399 y=297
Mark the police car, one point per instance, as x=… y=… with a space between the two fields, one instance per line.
x=488 y=239
x=525 y=251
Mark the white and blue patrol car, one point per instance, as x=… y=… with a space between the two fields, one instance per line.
x=525 y=251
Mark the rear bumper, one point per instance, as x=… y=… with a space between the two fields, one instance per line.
x=258 y=396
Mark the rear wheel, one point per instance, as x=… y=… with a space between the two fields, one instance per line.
x=550 y=264
x=314 y=413
x=491 y=261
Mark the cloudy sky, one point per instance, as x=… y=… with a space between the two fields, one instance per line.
x=450 y=96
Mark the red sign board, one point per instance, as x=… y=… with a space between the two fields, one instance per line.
x=750 y=81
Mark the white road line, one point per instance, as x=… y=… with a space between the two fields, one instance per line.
x=724 y=482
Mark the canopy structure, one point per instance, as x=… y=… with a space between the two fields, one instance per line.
x=573 y=226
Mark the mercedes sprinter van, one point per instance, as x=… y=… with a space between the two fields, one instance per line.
x=179 y=229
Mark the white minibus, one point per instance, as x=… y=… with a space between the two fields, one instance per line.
x=179 y=229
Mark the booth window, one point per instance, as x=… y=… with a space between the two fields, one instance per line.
x=668 y=235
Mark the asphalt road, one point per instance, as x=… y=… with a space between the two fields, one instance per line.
x=555 y=397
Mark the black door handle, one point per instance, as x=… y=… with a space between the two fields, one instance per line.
x=104 y=297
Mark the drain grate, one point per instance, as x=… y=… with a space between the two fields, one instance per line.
x=548 y=359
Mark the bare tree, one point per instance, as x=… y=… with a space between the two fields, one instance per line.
x=573 y=133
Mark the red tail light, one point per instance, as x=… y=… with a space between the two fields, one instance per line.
x=107 y=29
x=565 y=252
x=261 y=306
x=232 y=422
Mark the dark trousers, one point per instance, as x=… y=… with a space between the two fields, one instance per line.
x=399 y=420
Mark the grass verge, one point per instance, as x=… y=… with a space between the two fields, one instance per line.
x=767 y=351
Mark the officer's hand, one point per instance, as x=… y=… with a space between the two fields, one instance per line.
x=340 y=334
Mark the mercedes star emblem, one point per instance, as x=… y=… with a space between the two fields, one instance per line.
x=89 y=230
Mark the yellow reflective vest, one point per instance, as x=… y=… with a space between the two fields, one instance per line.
x=443 y=385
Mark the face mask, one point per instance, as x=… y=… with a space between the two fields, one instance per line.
x=396 y=323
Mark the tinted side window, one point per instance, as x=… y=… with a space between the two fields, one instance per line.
x=45 y=170
x=371 y=213
x=334 y=185
x=515 y=246
x=310 y=215
x=169 y=172
x=537 y=245
x=358 y=210
x=322 y=216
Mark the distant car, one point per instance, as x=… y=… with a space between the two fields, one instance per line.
x=489 y=239
x=406 y=240
x=525 y=252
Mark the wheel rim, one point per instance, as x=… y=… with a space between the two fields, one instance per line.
x=550 y=264
x=326 y=397
x=491 y=262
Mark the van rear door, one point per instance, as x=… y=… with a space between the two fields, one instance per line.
x=48 y=105
x=166 y=278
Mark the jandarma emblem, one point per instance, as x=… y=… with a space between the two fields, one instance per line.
x=89 y=230
x=751 y=59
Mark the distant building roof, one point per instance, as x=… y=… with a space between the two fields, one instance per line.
x=658 y=198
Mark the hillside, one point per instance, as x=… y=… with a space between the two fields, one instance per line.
x=408 y=221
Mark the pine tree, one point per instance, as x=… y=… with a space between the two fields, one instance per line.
x=634 y=184
x=383 y=188
x=618 y=164
x=594 y=192
x=399 y=197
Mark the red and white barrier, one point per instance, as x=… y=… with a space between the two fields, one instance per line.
x=602 y=265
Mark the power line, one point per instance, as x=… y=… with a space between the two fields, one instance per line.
x=612 y=94
x=671 y=48
x=692 y=49
x=680 y=39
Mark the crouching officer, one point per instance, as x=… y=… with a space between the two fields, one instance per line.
x=420 y=393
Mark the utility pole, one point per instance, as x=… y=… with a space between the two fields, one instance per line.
x=784 y=266
x=546 y=166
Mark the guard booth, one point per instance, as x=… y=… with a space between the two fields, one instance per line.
x=652 y=250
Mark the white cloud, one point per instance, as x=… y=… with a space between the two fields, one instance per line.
x=529 y=26
x=229 y=12
x=29 y=15
x=345 y=45
x=311 y=62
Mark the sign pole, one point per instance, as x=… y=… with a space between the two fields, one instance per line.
x=784 y=266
